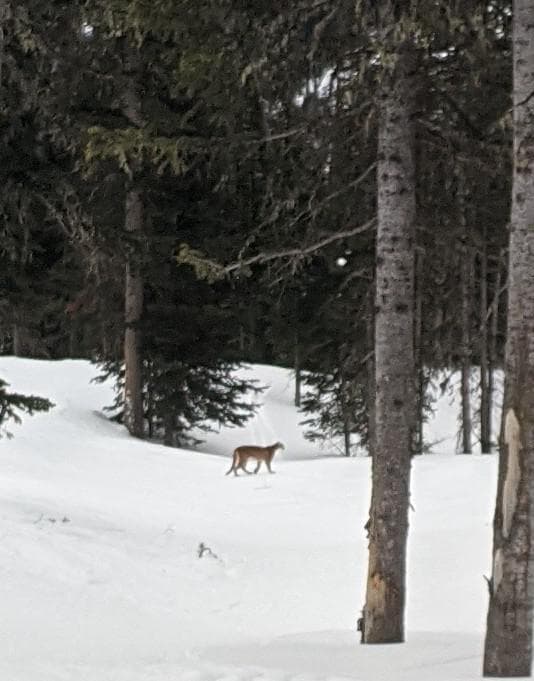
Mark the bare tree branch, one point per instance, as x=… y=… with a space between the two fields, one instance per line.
x=262 y=258
x=312 y=212
x=524 y=101
x=319 y=30
x=309 y=212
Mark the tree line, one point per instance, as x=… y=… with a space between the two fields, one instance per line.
x=224 y=160
x=325 y=186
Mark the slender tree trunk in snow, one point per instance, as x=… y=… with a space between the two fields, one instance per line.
x=345 y=402
x=418 y=354
x=485 y=398
x=133 y=365
x=383 y=615
x=17 y=341
x=346 y=437
x=371 y=377
x=134 y=220
x=465 y=350
x=5 y=14
x=508 y=646
x=298 y=374
x=494 y=327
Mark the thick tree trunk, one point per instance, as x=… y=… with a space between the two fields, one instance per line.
x=508 y=646
x=133 y=365
x=485 y=399
x=383 y=615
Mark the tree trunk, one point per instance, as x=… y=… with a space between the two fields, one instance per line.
x=133 y=366
x=346 y=414
x=18 y=345
x=346 y=437
x=508 y=645
x=169 y=431
x=5 y=13
x=26 y=343
x=465 y=346
x=418 y=355
x=298 y=375
x=494 y=328
x=383 y=615
x=371 y=377
x=485 y=399
x=134 y=226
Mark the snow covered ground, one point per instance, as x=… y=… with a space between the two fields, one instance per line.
x=100 y=578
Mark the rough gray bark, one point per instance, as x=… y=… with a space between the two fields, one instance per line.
x=508 y=645
x=383 y=614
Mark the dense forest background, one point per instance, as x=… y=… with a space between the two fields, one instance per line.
x=191 y=185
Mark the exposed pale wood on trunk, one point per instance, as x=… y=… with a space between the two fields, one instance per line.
x=508 y=645
x=383 y=615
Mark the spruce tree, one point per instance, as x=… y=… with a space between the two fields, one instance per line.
x=12 y=405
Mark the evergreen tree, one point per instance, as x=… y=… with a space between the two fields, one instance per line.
x=12 y=405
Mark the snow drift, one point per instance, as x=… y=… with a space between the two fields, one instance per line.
x=99 y=553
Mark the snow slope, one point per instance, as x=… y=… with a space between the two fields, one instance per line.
x=100 y=574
